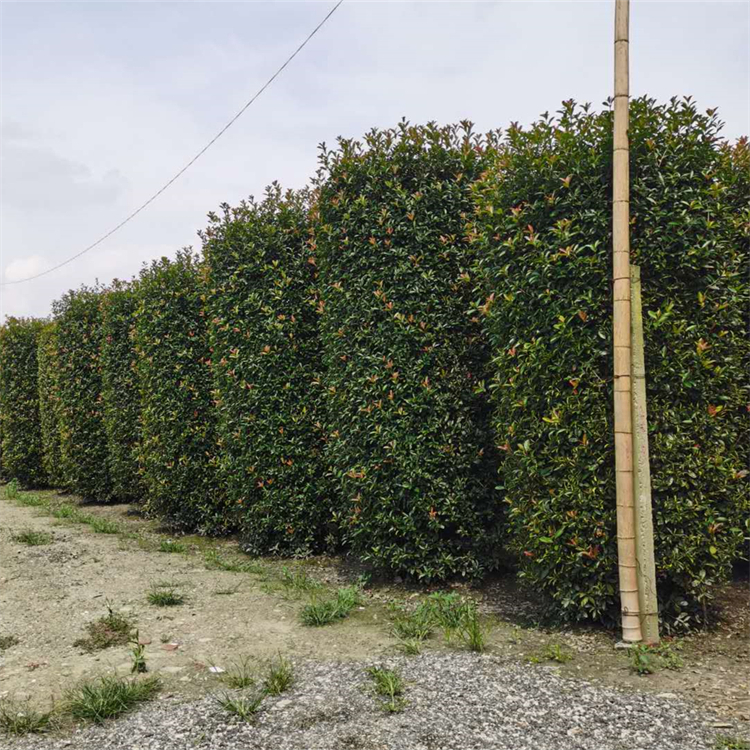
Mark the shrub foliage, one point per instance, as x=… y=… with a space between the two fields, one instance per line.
x=120 y=393
x=266 y=355
x=177 y=449
x=408 y=440
x=544 y=239
x=83 y=439
x=19 y=402
x=49 y=405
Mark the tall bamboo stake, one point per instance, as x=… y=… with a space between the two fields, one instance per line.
x=644 y=522
x=626 y=557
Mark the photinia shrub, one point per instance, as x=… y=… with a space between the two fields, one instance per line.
x=85 y=458
x=20 y=424
x=178 y=451
x=543 y=243
x=408 y=441
x=120 y=392
x=266 y=355
x=49 y=405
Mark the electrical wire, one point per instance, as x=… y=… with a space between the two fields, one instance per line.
x=187 y=166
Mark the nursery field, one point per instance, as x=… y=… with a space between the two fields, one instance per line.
x=244 y=652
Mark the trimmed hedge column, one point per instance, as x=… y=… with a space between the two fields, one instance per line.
x=120 y=389
x=49 y=405
x=266 y=353
x=408 y=436
x=20 y=424
x=85 y=457
x=543 y=240
x=178 y=448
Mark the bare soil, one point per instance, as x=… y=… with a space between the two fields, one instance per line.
x=49 y=593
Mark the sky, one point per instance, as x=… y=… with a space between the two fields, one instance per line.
x=102 y=102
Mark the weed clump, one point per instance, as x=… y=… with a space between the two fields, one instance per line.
x=113 y=629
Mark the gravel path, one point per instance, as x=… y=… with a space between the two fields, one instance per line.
x=456 y=701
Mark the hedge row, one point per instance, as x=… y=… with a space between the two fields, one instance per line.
x=544 y=239
x=262 y=305
x=20 y=426
x=120 y=394
x=413 y=361
x=178 y=449
x=408 y=442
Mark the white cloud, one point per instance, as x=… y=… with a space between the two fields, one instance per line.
x=21 y=268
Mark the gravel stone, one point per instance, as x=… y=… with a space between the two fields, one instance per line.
x=455 y=701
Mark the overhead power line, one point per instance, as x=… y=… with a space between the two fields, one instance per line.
x=188 y=165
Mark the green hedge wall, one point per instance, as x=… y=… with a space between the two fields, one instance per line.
x=178 y=450
x=408 y=436
x=544 y=240
x=85 y=457
x=266 y=353
x=120 y=393
x=49 y=405
x=19 y=402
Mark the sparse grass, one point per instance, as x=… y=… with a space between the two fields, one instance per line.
x=470 y=630
x=411 y=647
x=242 y=706
x=165 y=595
x=279 y=676
x=12 y=490
x=214 y=561
x=169 y=545
x=111 y=630
x=298 y=581
x=101 y=525
x=30 y=500
x=725 y=742
x=22 y=718
x=66 y=512
x=33 y=538
x=389 y=685
x=109 y=696
x=413 y=626
x=240 y=674
x=6 y=641
x=552 y=652
x=318 y=613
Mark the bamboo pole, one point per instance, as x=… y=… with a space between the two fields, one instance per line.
x=644 y=523
x=626 y=557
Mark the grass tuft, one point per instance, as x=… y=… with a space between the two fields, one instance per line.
x=318 y=613
x=725 y=742
x=279 y=676
x=169 y=545
x=240 y=674
x=21 y=718
x=108 y=697
x=33 y=538
x=12 y=490
x=389 y=685
x=242 y=706
x=165 y=595
x=111 y=630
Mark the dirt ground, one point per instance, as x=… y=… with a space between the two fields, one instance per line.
x=49 y=593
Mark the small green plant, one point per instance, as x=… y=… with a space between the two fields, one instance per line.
x=30 y=500
x=109 y=696
x=66 y=512
x=279 y=676
x=553 y=652
x=138 y=654
x=169 y=545
x=318 y=613
x=165 y=595
x=390 y=686
x=297 y=581
x=12 y=490
x=242 y=706
x=240 y=675
x=669 y=656
x=214 y=561
x=6 y=641
x=725 y=742
x=33 y=538
x=21 y=718
x=470 y=630
x=113 y=629
x=413 y=626
x=641 y=660
x=100 y=525
x=411 y=646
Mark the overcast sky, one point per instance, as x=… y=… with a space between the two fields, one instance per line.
x=102 y=102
